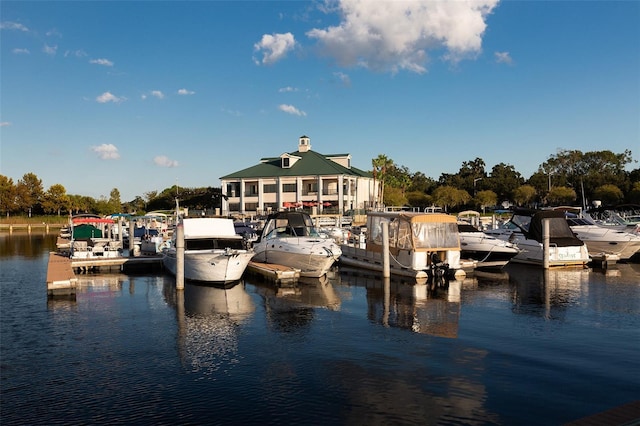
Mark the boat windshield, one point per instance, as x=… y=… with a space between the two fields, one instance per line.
x=522 y=222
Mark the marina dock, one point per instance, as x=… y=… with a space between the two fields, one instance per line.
x=61 y=270
x=276 y=273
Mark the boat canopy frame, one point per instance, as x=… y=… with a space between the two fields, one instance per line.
x=420 y=232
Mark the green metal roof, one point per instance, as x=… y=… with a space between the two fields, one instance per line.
x=311 y=163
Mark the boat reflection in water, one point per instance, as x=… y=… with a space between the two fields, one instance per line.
x=209 y=321
x=547 y=293
x=410 y=304
x=291 y=306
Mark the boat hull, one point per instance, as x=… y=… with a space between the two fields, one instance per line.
x=403 y=265
x=312 y=261
x=213 y=266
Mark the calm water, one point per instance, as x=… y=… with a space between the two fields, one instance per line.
x=516 y=348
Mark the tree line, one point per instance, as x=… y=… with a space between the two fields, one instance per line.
x=568 y=177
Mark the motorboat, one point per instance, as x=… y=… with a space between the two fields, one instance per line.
x=213 y=252
x=525 y=229
x=289 y=238
x=90 y=238
x=604 y=240
x=488 y=251
x=421 y=245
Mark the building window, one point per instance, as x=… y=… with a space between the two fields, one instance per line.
x=233 y=189
x=270 y=188
x=289 y=187
x=250 y=207
x=285 y=163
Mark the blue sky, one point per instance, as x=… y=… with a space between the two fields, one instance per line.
x=142 y=95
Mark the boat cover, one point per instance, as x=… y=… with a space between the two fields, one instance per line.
x=560 y=232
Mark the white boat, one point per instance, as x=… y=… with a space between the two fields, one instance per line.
x=421 y=245
x=603 y=240
x=213 y=252
x=90 y=238
x=289 y=238
x=487 y=251
x=525 y=228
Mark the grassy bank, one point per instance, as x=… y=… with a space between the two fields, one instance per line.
x=34 y=220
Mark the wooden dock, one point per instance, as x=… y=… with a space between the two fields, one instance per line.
x=278 y=274
x=61 y=280
x=61 y=271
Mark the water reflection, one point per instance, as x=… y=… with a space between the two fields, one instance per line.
x=415 y=306
x=290 y=307
x=547 y=292
x=25 y=244
x=209 y=319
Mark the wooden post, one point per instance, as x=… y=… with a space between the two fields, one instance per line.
x=120 y=230
x=545 y=243
x=385 y=250
x=180 y=257
x=131 y=242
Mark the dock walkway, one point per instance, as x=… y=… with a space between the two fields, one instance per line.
x=61 y=270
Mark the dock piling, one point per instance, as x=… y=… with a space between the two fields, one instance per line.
x=180 y=257
x=386 y=271
x=545 y=243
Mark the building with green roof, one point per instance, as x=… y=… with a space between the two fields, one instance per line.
x=300 y=179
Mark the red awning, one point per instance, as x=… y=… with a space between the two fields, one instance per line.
x=80 y=220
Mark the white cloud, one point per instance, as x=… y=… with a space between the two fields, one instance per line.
x=232 y=112
x=393 y=36
x=164 y=161
x=50 y=50
x=158 y=94
x=290 y=109
x=344 y=78
x=5 y=123
x=108 y=97
x=186 y=92
x=21 y=51
x=503 y=58
x=274 y=47
x=287 y=89
x=8 y=25
x=77 y=53
x=102 y=61
x=53 y=33
x=106 y=151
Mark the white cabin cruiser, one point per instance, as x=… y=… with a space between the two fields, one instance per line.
x=289 y=238
x=421 y=245
x=213 y=252
x=525 y=229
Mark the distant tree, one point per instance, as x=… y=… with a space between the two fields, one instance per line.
x=448 y=196
x=608 y=194
x=422 y=183
x=486 y=199
x=469 y=171
x=524 y=194
x=29 y=193
x=560 y=195
x=394 y=197
x=56 y=199
x=380 y=166
x=634 y=195
x=7 y=195
x=589 y=170
x=504 y=180
x=419 y=199
x=115 y=205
